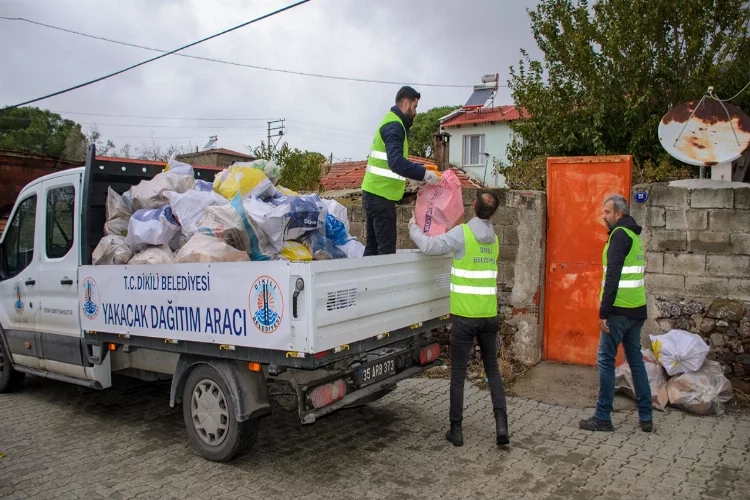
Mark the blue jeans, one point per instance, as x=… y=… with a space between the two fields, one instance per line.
x=628 y=332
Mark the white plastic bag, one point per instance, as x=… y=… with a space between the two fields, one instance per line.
x=204 y=248
x=703 y=392
x=150 y=194
x=117 y=208
x=205 y=186
x=657 y=380
x=338 y=210
x=117 y=227
x=266 y=229
x=243 y=180
x=301 y=214
x=225 y=223
x=189 y=207
x=111 y=250
x=178 y=167
x=679 y=351
x=153 y=255
x=151 y=227
x=353 y=249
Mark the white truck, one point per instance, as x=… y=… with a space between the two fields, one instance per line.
x=329 y=334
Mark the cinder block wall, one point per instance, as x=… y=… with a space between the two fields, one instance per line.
x=520 y=223
x=697 y=241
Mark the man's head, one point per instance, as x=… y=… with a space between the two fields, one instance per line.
x=486 y=204
x=407 y=100
x=615 y=208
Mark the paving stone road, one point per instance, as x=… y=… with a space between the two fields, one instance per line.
x=61 y=441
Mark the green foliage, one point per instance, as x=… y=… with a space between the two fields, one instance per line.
x=611 y=71
x=421 y=140
x=301 y=171
x=35 y=130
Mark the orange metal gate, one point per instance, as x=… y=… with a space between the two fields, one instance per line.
x=576 y=235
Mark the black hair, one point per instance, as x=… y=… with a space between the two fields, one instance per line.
x=407 y=93
x=487 y=203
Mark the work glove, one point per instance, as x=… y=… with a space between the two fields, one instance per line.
x=413 y=219
x=431 y=177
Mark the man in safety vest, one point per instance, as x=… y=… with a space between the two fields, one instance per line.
x=621 y=314
x=473 y=297
x=388 y=168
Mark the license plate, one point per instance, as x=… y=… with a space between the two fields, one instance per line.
x=376 y=371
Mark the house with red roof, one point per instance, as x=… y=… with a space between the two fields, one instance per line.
x=480 y=132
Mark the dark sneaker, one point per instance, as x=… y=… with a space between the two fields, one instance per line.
x=647 y=426
x=594 y=424
x=455 y=435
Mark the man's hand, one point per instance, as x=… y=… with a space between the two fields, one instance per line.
x=431 y=177
x=603 y=325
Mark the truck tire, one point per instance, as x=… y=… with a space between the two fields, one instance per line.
x=210 y=417
x=10 y=379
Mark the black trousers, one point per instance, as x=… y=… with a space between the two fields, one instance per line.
x=381 y=224
x=463 y=332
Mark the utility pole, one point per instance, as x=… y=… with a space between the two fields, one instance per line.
x=278 y=134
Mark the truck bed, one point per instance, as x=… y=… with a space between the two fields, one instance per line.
x=260 y=305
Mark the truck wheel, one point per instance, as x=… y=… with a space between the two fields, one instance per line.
x=210 y=417
x=10 y=379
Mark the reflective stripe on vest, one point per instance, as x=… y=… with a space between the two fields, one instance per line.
x=631 y=290
x=379 y=179
x=384 y=173
x=473 y=288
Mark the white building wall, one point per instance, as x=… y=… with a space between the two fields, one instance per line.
x=497 y=137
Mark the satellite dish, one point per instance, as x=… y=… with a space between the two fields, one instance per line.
x=705 y=132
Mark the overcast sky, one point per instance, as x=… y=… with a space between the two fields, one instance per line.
x=414 y=41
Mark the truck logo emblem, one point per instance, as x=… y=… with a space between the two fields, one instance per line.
x=266 y=304
x=90 y=298
x=19 y=303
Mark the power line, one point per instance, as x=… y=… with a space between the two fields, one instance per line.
x=244 y=65
x=90 y=82
x=161 y=117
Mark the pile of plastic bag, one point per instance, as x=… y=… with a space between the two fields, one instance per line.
x=679 y=374
x=243 y=215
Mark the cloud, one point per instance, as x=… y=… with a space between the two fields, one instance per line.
x=433 y=41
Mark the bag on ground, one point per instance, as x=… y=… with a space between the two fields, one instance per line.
x=153 y=255
x=204 y=248
x=657 y=380
x=440 y=207
x=679 y=351
x=151 y=227
x=111 y=250
x=703 y=392
x=150 y=194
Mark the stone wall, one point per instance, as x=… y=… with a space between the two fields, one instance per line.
x=697 y=239
x=520 y=223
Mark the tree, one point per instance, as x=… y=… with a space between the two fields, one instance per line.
x=421 y=140
x=300 y=170
x=611 y=71
x=103 y=148
x=35 y=130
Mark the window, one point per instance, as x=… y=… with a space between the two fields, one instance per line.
x=473 y=150
x=60 y=216
x=18 y=246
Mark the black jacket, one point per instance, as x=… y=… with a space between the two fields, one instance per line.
x=393 y=136
x=619 y=247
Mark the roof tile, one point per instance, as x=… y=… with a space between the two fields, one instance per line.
x=485 y=115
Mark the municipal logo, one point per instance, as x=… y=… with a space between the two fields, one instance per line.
x=90 y=300
x=19 y=298
x=266 y=304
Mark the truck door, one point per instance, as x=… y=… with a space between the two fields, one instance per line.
x=19 y=296
x=58 y=321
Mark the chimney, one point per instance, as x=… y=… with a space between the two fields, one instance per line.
x=442 y=150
